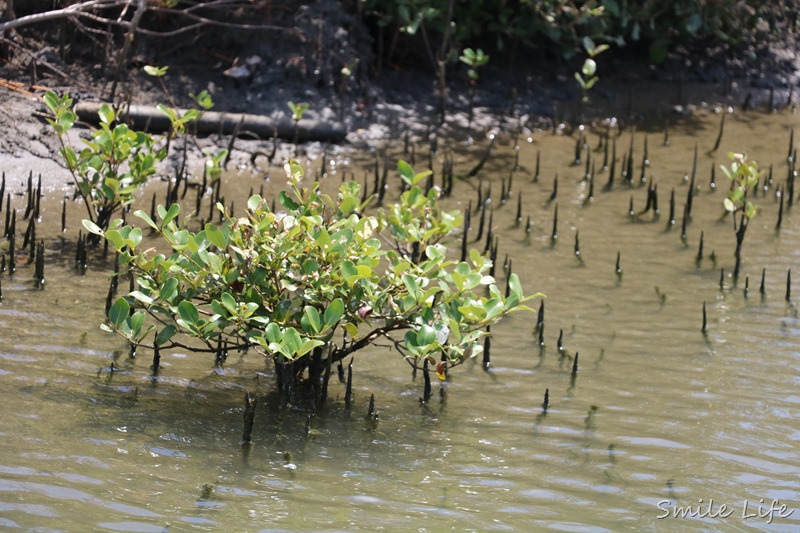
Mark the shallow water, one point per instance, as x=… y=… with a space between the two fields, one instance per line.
x=660 y=415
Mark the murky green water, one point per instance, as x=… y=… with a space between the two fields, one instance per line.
x=659 y=415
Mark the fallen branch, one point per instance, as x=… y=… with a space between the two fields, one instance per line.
x=151 y=119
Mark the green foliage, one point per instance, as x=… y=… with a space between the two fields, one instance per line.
x=154 y=71
x=298 y=110
x=654 y=26
x=474 y=60
x=744 y=174
x=587 y=77
x=315 y=275
x=214 y=163
x=203 y=100
x=115 y=161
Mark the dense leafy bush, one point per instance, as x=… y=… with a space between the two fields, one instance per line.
x=653 y=24
x=312 y=283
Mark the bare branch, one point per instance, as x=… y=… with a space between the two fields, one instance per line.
x=69 y=11
x=84 y=10
x=141 y=7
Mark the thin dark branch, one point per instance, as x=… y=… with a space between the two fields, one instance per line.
x=367 y=339
x=83 y=10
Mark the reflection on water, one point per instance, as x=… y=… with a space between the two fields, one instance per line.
x=660 y=415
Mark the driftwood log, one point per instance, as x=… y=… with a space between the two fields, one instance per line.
x=149 y=118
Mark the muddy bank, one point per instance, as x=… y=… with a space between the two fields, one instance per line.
x=328 y=62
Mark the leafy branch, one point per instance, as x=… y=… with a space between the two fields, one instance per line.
x=744 y=176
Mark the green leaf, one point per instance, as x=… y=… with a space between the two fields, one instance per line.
x=106 y=114
x=405 y=171
x=411 y=285
x=144 y=216
x=173 y=116
x=155 y=71
x=216 y=236
x=218 y=309
x=174 y=209
x=229 y=302
x=493 y=308
x=114 y=239
x=307 y=346
x=589 y=68
x=292 y=341
x=137 y=321
x=134 y=238
x=601 y=48
x=310 y=266
x=249 y=309
x=515 y=285
x=410 y=339
x=169 y=290
x=287 y=202
x=51 y=99
x=273 y=333
x=426 y=335
x=138 y=295
x=588 y=44
x=333 y=313
x=92 y=227
x=729 y=207
x=349 y=269
x=749 y=210
x=312 y=315
x=119 y=312
x=165 y=334
x=351 y=329
x=253 y=202
x=188 y=312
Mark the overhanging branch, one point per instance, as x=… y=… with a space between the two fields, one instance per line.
x=88 y=10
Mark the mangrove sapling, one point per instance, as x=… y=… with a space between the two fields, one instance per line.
x=474 y=59
x=314 y=279
x=587 y=77
x=298 y=110
x=115 y=162
x=744 y=177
